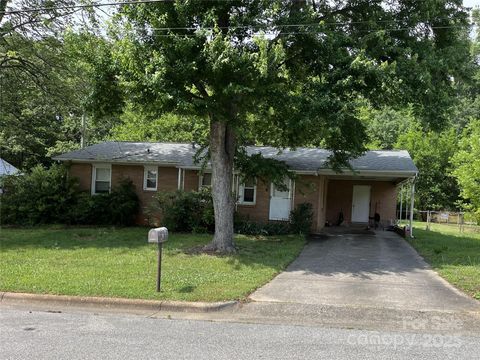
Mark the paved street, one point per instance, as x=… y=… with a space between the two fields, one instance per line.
x=44 y=335
x=380 y=271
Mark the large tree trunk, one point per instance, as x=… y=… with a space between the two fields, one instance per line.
x=222 y=151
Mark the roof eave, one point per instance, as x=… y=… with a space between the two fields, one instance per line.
x=118 y=162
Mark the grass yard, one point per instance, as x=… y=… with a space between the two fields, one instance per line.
x=454 y=255
x=119 y=263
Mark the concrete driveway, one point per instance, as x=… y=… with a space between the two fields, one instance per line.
x=379 y=270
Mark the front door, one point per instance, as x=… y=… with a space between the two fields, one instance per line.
x=361 y=203
x=280 y=202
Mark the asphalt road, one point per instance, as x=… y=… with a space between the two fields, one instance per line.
x=84 y=335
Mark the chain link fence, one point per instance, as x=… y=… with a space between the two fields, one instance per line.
x=452 y=219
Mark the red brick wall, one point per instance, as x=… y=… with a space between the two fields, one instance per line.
x=307 y=189
x=339 y=198
x=167 y=181
x=328 y=197
x=259 y=211
x=83 y=172
x=191 y=180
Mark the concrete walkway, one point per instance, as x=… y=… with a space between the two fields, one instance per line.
x=380 y=271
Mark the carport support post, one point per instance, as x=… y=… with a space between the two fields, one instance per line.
x=401 y=202
x=411 y=207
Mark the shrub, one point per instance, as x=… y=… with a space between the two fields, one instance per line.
x=124 y=204
x=301 y=219
x=120 y=207
x=300 y=222
x=48 y=196
x=248 y=227
x=43 y=196
x=185 y=211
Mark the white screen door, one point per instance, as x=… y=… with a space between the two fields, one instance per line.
x=361 y=203
x=280 y=202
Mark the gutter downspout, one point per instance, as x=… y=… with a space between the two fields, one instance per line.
x=179 y=182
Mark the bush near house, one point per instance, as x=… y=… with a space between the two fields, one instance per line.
x=192 y=211
x=48 y=196
x=119 y=207
x=300 y=222
x=248 y=227
x=301 y=219
x=41 y=197
x=183 y=211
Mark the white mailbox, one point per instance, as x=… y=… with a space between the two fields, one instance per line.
x=158 y=235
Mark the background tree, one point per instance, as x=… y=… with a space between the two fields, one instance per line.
x=31 y=93
x=467 y=167
x=52 y=72
x=436 y=188
x=385 y=125
x=135 y=125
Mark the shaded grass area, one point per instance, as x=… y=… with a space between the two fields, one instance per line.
x=454 y=255
x=119 y=263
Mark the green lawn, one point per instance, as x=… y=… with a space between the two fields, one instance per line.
x=119 y=263
x=454 y=255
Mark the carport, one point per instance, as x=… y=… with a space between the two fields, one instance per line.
x=358 y=200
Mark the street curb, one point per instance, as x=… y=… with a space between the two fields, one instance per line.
x=114 y=303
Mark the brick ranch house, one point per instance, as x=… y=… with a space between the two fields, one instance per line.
x=371 y=188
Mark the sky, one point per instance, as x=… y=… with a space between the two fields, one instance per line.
x=471 y=3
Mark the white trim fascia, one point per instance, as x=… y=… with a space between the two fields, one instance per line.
x=305 y=172
x=345 y=172
x=114 y=162
x=369 y=173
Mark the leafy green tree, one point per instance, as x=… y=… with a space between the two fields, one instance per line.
x=65 y=80
x=51 y=75
x=288 y=73
x=32 y=95
x=385 y=125
x=134 y=125
x=431 y=151
x=467 y=167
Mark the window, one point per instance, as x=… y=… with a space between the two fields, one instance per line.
x=205 y=180
x=101 y=179
x=248 y=192
x=150 y=178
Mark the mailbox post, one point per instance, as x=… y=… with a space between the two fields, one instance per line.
x=158 y=236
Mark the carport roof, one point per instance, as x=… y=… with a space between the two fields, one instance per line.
x=182 y=155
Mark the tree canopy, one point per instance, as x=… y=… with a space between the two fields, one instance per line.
x=345 y=75
x=294 y=72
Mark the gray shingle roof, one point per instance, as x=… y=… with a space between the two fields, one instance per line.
x=300 y=159
x=6 y=168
